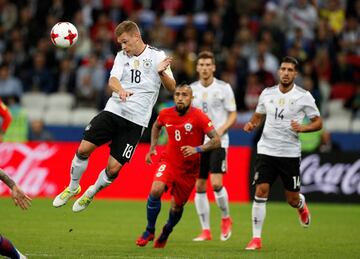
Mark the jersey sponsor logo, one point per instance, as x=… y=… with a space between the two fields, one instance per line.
x=168 y=125
x=188 y=127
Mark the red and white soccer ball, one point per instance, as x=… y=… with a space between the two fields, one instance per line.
x=64 y=35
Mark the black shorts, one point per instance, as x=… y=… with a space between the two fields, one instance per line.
x=122 y=134
x=268 y=168
x=213 y=161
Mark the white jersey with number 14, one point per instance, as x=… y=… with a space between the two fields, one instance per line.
x=278 y=139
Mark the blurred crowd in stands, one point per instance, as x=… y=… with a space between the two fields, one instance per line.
x=249 y=38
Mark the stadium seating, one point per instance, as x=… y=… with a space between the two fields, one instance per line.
x=82 y=116
x=338 y=123
x=355 y=126
x=60 y=101
x=57 y=117
x=34 y=100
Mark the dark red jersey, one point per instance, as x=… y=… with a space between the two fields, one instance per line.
x=186 y=130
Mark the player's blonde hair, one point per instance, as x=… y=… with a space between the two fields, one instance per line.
x=126 y=26
x=206 y=55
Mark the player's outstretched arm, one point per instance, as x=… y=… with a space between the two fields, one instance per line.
x=19 y=197
x=254 y=122
x=155 y=133
x=166 y=80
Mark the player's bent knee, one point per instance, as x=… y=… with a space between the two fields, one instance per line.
x=83 y=153
x=200 y=185
x=217 y=187
x=156 y=192
x=293 y=202
x=262 y=191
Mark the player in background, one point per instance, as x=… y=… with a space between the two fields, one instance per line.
x=179 y=165
x=216 y=99
x=135 y=78
x=279 y=150
x=5 y=119
x=20 y=198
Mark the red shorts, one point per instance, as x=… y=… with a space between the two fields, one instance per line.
x=180 y=182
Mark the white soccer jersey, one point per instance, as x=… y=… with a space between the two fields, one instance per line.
x=137 y=74
x=216 y=100
x=278 y=139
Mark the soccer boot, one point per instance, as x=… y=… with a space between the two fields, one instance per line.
x=63 y=197
x=254 y=244
x=160 y=242
x=84 y=201
x=204 y=236
x=304 y=214
x=21 y=256
x=145 y=238
x=226 y=224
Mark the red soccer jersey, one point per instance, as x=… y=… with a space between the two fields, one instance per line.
x=186 y=130
x=5 y=117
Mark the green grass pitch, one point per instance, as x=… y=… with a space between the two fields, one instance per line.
x=109 y=228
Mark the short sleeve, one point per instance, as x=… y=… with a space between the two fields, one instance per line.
x=160 y=119
x=229 y=101
x=310 y=107
x=161 y=57
x=260 y=108
x=206 y=123
x=118 y=68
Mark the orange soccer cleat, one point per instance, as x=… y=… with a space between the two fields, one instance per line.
x=226 y=224
x=204 y=236
x=160 y=242
x=145 y=238
x=254 y=244
x=304 y=216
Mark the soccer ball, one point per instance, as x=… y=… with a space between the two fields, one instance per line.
x=64 y=35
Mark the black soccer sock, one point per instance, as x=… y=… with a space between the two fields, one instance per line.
x=153 y=208
x=174 y=218
x=7 y=248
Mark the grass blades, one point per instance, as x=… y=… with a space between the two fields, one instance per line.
x=109 y=228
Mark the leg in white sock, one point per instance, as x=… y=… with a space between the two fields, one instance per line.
x=203 y=209
x=222 y=200
x=258 y=215
x=103 y=181
x=78 y=166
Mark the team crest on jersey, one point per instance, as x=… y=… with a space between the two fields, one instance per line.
x=188 y=127
x=136 y=64
x=281 y=102
x=147 y=63
x=205 y=95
